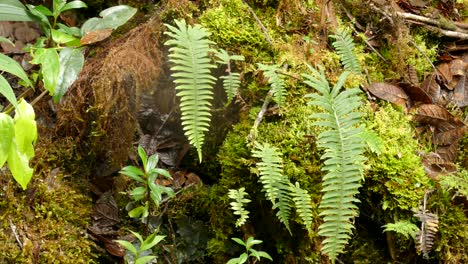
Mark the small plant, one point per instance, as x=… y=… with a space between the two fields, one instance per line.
x=249 y=251
x=405 y=228
x=148 y=190
x=141 y=253
x=238 y=205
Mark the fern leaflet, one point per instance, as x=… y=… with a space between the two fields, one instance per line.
x=238 y=205
x=429 y=226
x=344 y=46
x=192 y=73
x=276 y=81
x=343 y=157
x=231 y=81
x=275 y=184
x=303 y=204
x=405 y=228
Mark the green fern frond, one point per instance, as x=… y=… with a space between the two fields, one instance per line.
x=373 y=141
x=231 y=81
x=275 y=184
x=343 y=157
x=276 y=81
x=192 y=73
x=344 y=46
x=303 y=204
x=238 y=205
x=405 y=228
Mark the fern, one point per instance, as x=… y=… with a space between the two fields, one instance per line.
x=344 y=46
x=405 y=228
x=238 y=205
x=276 y=81
x=231 y=81
x=275 y=184
x=194 y=82
x=343 y=158
x=303 y=204
x=429 y=226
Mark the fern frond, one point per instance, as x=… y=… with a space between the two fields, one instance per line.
x=303 y=204
x=344 y=46
x=192 y=73
x=429 y=226
x=405 y=228
x=276 y=82
x=343 y=157
x=231 y=81
x=275 y=184
x=238 y=205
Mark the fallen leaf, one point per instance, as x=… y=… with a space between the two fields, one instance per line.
x=445 y=72
x=450 y=136
x=105 y=211
x=448 y=153
x=434 y=165
x=388 y=92
x=412 y=76
x=431 y=87
x=437 y=116
x=95 y=36
x=460 y=93
x=416 y=93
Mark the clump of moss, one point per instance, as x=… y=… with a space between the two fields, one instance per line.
x=396 y=173
x=231 y=25
x=49 y=220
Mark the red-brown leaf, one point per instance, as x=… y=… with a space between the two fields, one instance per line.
x=435 y=165
x=437 y=116
x=388 y=92
x=417 y=94
x=412 y=76
x=95 y=36
x=450 y=136
x=448 y=153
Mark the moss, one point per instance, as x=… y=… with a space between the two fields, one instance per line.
x=396 y=173
x=50 y=221
x=231 y=25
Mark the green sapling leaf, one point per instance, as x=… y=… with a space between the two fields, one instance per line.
x=7 y=133
x=7 y=91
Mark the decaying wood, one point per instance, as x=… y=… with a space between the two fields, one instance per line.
x=454 y=30
x=258 y=120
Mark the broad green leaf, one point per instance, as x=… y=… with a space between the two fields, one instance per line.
x=137 y=212
x=50 y=67
x=73 y=5
x=7 y=91
x=7 y=133
x=233 y=261
x=25 y=128
x=243 y=258
x=143 y=156
x=9 y=65
x=40 y=17
x=71 y=63
x=151 y=241
x=134 y=173
x=13 y=10
x=262 y=254
x=238 y=241
x=18 y=163
x=44 y=10
x=74 y=31
x=137 y=235
x=152 y=163
x=61 y=37
x=112 y=17
x=127 y=245
x=3 y=39
x=144 y=260
x=58 y=5
x=138 y=193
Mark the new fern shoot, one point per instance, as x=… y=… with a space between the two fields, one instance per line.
x=343 y=157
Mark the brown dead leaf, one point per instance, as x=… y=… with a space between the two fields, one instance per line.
x=448 y=153
x=434 y=166
x=445 y=72
x=95 y=36
x=436 y=116
x=388 y=92
x=431 y=87
x=458 y=67
x=450 y=136
x=460 y=93
x=105 y=211
x=417 y=94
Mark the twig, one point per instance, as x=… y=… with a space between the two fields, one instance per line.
x=450 y=26
x=425 y=56
x=258 y=120
x=39 y=97
x=264 y=30
x=13 y=229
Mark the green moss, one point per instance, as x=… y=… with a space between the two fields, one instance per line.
x=396 y=173
x=231 y=25
x=50 y=220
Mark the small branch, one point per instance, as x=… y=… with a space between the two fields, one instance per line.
x=13 y=229
x=258 y=120
x=425 y=56
x=454 y=27
x=264 y=30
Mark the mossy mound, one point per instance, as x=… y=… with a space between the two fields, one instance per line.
x=45 y=224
